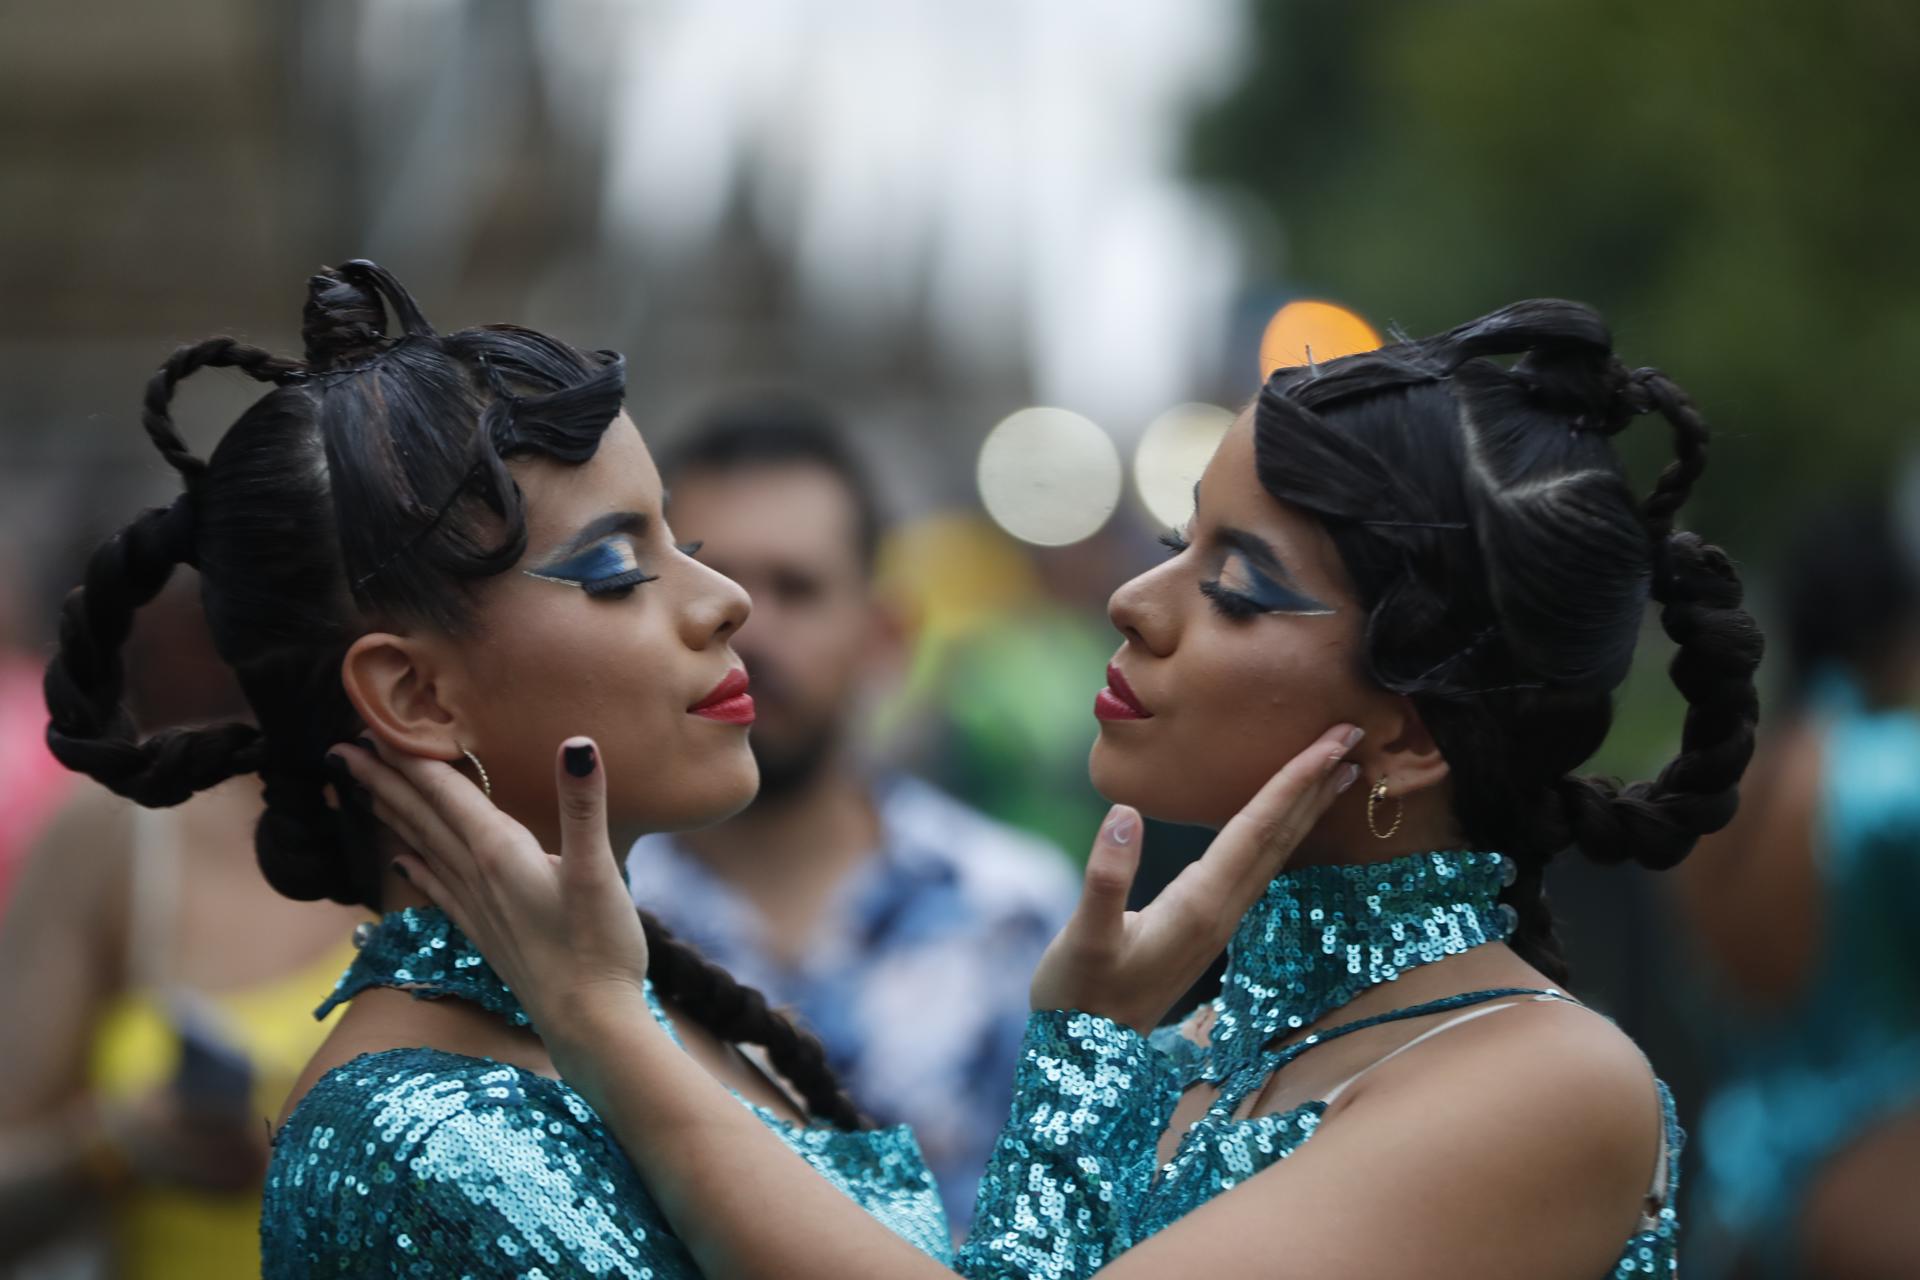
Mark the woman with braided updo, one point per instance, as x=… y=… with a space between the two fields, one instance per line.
x=1436 y=551
x=449 y=546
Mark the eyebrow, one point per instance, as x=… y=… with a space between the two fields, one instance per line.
x=1256 y=549
x=632 y=522
x=1250 y=545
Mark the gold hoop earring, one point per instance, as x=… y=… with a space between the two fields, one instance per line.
x=1374 y=797
x=486 y=787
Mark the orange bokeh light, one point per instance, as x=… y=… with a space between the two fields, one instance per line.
x=1308 y=330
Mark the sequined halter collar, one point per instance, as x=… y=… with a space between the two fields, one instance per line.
x=419 y=950
x=1322 y=935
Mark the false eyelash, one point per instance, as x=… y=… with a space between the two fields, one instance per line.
x=1230 y=603
x=1173 y=542
x=620 y=584
x=690 y=549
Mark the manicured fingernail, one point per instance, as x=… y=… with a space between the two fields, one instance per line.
x=1351 y=738
x=578 y=759
x=1349 y=774
x=1122 y=828
x=336 y=767
x=364 y=743
x=400 y=869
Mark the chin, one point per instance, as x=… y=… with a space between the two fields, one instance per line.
x=716 y=792
x=1156 y=787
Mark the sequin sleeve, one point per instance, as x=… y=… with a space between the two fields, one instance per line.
x=416 y=1162
x=1090 y=1100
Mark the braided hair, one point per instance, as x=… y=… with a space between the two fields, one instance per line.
x=1505 y=563
x=368 y=487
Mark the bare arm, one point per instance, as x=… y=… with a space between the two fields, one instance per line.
x=1497 y=1154
x=1516 y=1156
x=63 y=957
x=59 y=971
x=562 y=933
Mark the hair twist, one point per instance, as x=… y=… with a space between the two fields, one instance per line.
x=223 y=352
x=734 y=1011
x=89 y=728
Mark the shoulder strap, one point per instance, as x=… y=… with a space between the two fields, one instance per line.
x=1481 y=1011
x=1447 y=1004
x=1477 y=1005
x=1248 y=1082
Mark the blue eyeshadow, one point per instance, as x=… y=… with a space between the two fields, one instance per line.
x=601 y=563
x=1276 y=597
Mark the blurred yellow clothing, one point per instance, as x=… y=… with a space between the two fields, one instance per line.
x=160 y=1233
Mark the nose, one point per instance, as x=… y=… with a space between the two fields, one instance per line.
x=719 y=608
x=1139 y=610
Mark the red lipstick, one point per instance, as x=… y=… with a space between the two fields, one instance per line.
x=1118 y=701
x=729 y=703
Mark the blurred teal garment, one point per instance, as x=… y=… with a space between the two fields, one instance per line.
x=416 y=1162
x=1807 y=1079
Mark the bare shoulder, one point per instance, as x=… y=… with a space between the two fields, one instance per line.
x=1553 y=1084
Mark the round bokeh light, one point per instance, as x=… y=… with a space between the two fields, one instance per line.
x=1308 y=331
x=1049 y=476
x=1172 y=454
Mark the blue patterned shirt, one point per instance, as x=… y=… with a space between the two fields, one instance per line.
x=916 y=980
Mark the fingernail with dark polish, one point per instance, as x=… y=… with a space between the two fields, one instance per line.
x=400 y=869
x=337 y=771
x=579 y=759
x=364 y=743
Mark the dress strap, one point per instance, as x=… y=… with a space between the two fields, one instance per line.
x=1446 y=1004
x=1479 y=1004
x=1333 y=1094
x=1249 y=1079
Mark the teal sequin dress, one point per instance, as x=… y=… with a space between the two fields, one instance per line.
x=415 y=1162
x=1075 y=1180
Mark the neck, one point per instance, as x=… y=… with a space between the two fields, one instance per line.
x=787 y=854
x=1322 y=935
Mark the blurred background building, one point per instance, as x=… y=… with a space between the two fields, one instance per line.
x=937 y=216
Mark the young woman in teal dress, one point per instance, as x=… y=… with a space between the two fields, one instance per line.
x=1436 y=552
x=455 y=544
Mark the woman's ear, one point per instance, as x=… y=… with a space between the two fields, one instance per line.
x=394 y=682
x=1406 y=753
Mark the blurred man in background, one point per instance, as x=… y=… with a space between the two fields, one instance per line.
x=902 y=925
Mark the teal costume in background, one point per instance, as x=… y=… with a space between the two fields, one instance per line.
x=1075 y=1179
x=1807 y=1079
x=414 y=1162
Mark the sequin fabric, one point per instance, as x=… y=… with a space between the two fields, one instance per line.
x=1074 y=1180
x=416 y=1162
x=1322 y=935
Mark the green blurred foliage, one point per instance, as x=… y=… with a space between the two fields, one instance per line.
x=1733 y=184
